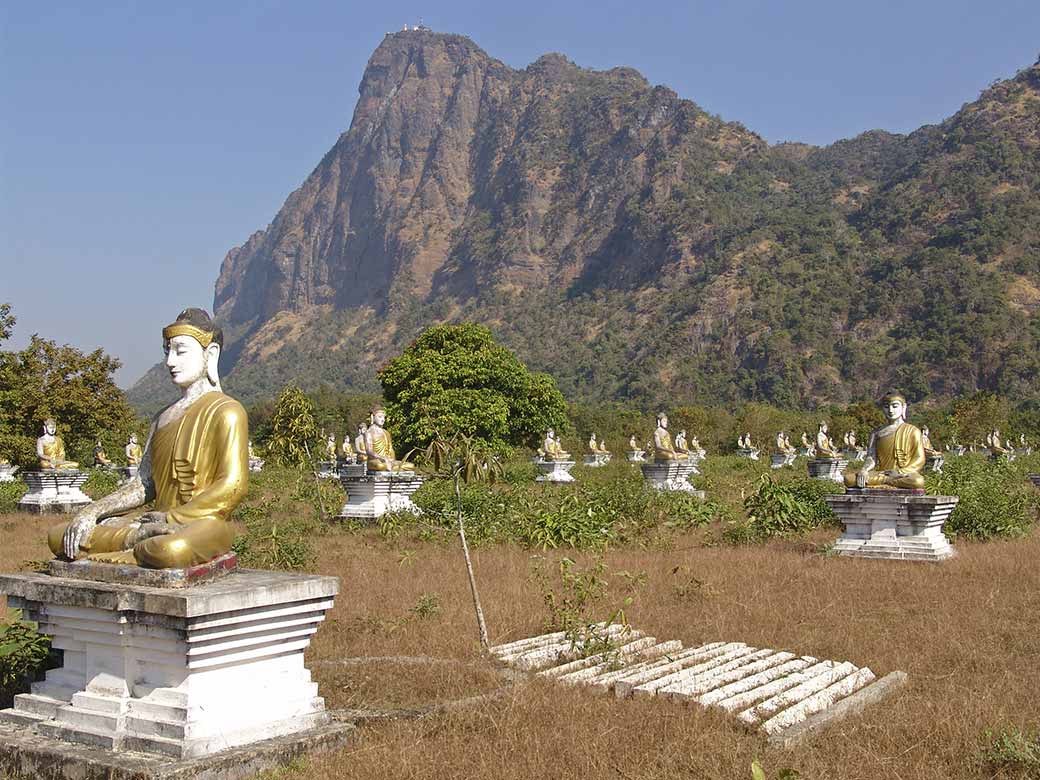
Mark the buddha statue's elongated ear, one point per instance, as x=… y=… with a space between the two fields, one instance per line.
x=212 y=360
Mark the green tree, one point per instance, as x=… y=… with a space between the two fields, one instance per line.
x=76 y=389
x=455 y=379
x=294 y=437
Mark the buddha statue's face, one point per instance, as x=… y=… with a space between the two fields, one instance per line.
x=379 y=418
x=133 y=438
x=49 y=427
x=663 y=421
x=361 y=428
x=895 y=409
x=185 y=360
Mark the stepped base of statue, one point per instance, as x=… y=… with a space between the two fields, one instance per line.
x=1006 y=456
x=7 y=473
x=896 y=524
x=327 y=469
x=128 y=472
x=828 y=468
x=172 y=671
x=671 y=476
x=855 y=454
x=54 y=491
x=958 y=450
x=1034 y=478
x=256 y=465
x=780 y=459
x=806 y=452
x=934 y=463
x=636 y=456
x=371 y=494
x=554 y=470
x=595 y=461
x=749 y=454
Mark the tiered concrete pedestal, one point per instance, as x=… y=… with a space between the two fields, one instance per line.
x=7 y=473
x=934 y=463
x=749 y=454
x=827 y=468
x=671 y=476
x=53 y=492
x=371 y=495
x=899 y=524
x=597 y=460
x=166 y=668
x=327 y=469
x=636 y=456
x=554 y=470
x=780 y=459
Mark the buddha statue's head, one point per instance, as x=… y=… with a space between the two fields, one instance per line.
x=192 y=345
x=823 y=426
x=379 y=416
x=49 y=426
x=662 y=420
x=132 y=439
x=894 y=406
x=361 y=428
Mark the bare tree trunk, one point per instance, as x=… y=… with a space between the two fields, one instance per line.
x=481 y=625
x=317 y=485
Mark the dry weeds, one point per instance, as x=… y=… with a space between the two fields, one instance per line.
x=967 y=632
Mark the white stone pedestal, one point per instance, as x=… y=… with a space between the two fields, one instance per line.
x=554 y=470
x=597 y=460
x=128 y=472
x=671 y=476
x=749 y=454
x=371 y=495
x=934 y=463
x=827 y=468
x=856 y=454
x=780 y=459
x=636 y=456
x=53 y=492
x=7 y=473
x=327 y=469
x=181 y=673
x=899 y=524
x=256 y=465
x=958 y=450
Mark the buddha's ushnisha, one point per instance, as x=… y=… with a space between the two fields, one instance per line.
x=194 y=469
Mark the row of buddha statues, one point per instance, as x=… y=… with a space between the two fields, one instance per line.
x=50 y=449
x=372 y=446
x=663 y=446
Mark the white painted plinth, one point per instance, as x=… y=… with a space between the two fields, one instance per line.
x=182 y=673
x=749 y=454
x=554 y=470
x=958 y=450
x=128 y=472
x=636 y=456
x=671 y=476
x=934 y=463
x=52 y=492
x=827 y=468
x=372 y=495
x=597 y=460
x=7 y=473
x=327 y=469
x=780 y=459
x=256 y=465
x=892 y=524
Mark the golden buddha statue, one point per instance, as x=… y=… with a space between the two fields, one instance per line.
x=347 y=450
x=680 y=443
x=101 y=459
x=330 y=446
x=379 y=448
x=632 y=445
x=895 y=455
x=603 y=446
x=593 y=445
x=695 y=446
x=664 y=449
x=996 y=446
x=133 y=451
x=552 y=449
x=359 y=442
x=824 y=444
x=926 y=442
x=194 y=469
x=50 y=448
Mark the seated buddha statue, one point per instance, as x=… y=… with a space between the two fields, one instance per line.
x=695 y=446
x=50 y=448
x=680 y=443
x=593 y=444
x=133 y=451
x=926 y=442
x=347 y=451
x=101 y=459
x=194 y=470
x=359 y=442
x=824 y=444
x=997 y=448
x=664 y=449
x=603 y=446
x=895 y=455
x=379 y=447
x=781 y=443
x=632 y=445
x=552 y=449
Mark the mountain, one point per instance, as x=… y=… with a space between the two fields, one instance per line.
x=636 y=246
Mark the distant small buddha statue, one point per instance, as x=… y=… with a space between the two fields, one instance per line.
x=603 y=446
x=347 y=451
x=593 y=444
x=632 y=445
x=996 y=445
x=101 y=459
x=805 y=440
x=783 y=444
x=51 y=449
x=824 y=445
x=249 y=449
x=379 y=448
x=194 y=470
x=926 y=442
x=552 y=449
x=330 y=446
x=664 y=449
x=695 y=446
x=895 y=455
x=133 y=451
x=680 y=443
x=359 y=442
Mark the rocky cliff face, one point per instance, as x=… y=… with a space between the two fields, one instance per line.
x=636 y=246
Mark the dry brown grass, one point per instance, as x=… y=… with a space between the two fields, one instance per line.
x=967 y=632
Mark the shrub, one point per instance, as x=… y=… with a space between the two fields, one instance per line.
x=995 y=499
x=1011 y=750
x=10 y=494
x=23 y=652
x=780 y=509
x=100 y=483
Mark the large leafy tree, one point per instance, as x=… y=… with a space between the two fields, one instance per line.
x=455 y=379
x=76 y=389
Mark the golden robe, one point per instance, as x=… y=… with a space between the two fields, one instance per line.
x=54 y=456
x=133 y=455
x=383 y=446
x=664 y=450
x=200 y=471
x=902 y=452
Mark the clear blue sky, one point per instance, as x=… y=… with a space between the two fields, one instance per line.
x=139 y=141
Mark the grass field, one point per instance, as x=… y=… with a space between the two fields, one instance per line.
x=967 y=632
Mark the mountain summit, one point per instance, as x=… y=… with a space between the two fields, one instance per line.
x=636 y=246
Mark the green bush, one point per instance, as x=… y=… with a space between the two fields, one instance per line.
x=778 y=508
x=23 y=652
x=995 y=498
x=1011 y=751
x=101 y=482
x=10 y=494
